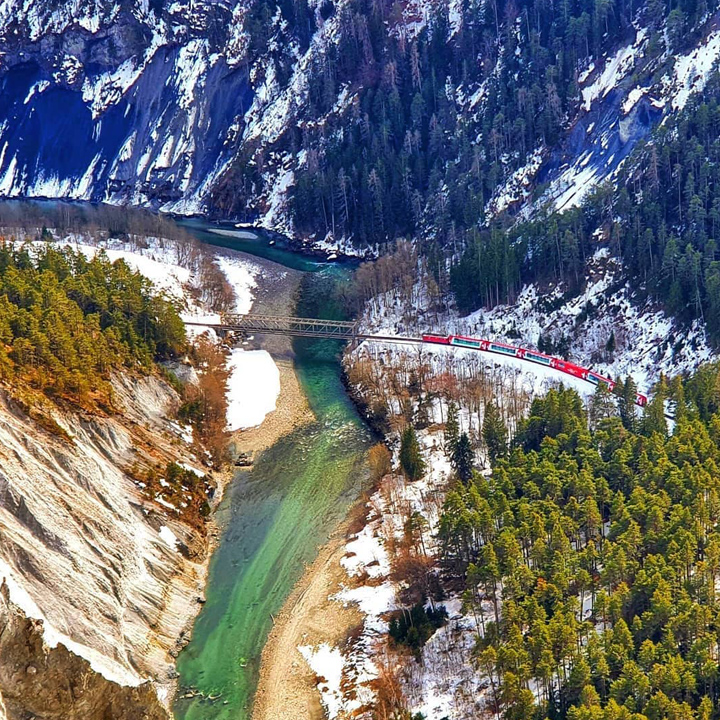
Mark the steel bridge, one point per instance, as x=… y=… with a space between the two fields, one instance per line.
x=285 y=325
x=298 y=327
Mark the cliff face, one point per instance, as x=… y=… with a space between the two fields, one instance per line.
x=114 y=576
x=117 y=101
x=224 y=107
x=46 y=683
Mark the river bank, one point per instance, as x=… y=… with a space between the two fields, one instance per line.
x=288 y=687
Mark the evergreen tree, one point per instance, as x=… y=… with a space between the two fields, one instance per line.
x=67 y=321
x=628 y=408
x=653 y=420
x=411 y=461
x=462 y=458
x=422 y=416
x=494 y=432
x=602 y=405
x=610 y=345
x=452 y=430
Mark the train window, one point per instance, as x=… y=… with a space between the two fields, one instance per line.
x=537 y=358
x=468 y=343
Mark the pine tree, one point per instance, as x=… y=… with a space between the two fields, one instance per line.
x=452 y=430
x=653 y=420
x=611 y=344
x=462 y=458
x=494 y=432
x=628 y=412
x=422 y=416
x=602 y=405
x=411 y=460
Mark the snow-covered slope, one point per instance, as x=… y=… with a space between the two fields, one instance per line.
x=608 y=311
x=152 y=103
x=624 y=95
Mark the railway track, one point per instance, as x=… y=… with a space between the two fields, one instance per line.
x=348 y=330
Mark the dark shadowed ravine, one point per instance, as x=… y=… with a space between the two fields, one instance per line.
x=274 y=518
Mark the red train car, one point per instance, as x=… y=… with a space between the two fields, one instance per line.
x=569 y=368
x=597 y=379
x=437 y=339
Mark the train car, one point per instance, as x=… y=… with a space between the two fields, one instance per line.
x=531 y=356
x=597 y=379
x=437 y=339
x=569 y=368
x=468 y=342
x=503 y=349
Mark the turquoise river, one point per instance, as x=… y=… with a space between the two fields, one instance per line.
x=274 y=518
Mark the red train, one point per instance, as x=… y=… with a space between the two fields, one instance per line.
x=531 y=356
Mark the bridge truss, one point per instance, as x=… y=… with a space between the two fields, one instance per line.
x=286 y=325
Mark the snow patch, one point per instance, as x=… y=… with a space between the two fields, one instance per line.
x=253 y=388
x=616 y=68
x=691 y=71
x=168 y=537
x=327 y=663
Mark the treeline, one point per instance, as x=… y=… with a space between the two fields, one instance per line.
x=590 y=558
x=29 y=216
x=66 y=322
x=412 y=150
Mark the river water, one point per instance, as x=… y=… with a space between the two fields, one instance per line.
x=274 y=518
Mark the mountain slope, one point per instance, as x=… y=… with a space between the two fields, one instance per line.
x=340 y=119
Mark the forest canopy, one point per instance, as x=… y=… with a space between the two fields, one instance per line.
x=67 y=321
x=591 y=558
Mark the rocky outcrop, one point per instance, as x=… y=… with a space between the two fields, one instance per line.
x=54 y=684
x=113 y=575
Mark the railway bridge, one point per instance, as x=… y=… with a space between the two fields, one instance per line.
x=299 y=327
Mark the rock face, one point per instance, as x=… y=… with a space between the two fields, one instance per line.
x=50 y=684
x=81 y=548
x=117 y=101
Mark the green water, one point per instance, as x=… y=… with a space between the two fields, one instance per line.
x=259 y=246
x=273 y=520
